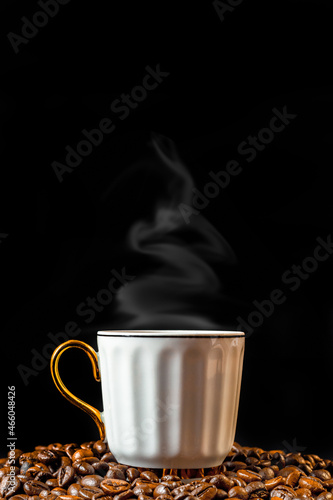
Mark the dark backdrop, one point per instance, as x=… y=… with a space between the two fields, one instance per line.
x=225 y=70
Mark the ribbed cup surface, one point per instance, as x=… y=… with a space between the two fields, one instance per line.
x=170 y=402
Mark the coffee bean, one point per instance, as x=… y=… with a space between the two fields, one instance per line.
x=314 y=484
x=292 y=478
x=80 y=454
x=9 y=486
x=248 y=476
x=132 y=474
x=164 y=497
x=222 y=481
x=325 y=495
x=274 y=482
x=142 y=489
x=69 y=497
x=170 y=477
x=266 y=473
x=239 y=492
x=74 y=489
x=150 y=476
x=284 y=492
x=161 y=489
x=99 y=447
x=303 y=493
x=239 y=482
x=65 y=476
x=57 y=491
x=124 y=495
x=108 y=457
x=83 y=468
x=220 y=494
x=91 y=480
x=48 y=456
x=322 y=474
x=113 y=487
x=89 y=492
x=52 y=483
x=33 y=487
x=115 y=473
x=43 y=476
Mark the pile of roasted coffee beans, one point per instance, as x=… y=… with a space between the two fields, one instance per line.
x=89 y=471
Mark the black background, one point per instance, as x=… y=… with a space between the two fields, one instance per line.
x=64 y=238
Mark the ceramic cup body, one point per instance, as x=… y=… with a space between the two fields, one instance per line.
x=170 y=397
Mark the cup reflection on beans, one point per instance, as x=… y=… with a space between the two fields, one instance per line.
x=170 y=397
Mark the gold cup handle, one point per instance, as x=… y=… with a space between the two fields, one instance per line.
x=93 y=412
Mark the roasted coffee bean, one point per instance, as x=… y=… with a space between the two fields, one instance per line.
x=161 y=489
x=248 y=476
x=13 y=469
x=285 y=471
x=83 y=468
x=74 y=489
x=143 y=497
x=274 y=482
x=284 y=492
x=170 y=484
x=222 y=481
x=113 y=487
x=65 y=476
x=43 y=476
x=292 y=478
x=48 y=456
x=220 y=494
x=132 y=474
x=69 y=497
x=325 y=495
x=100 y=468
x=115 y=473
x=239 y=482
x=314 y=484
x=100 y=447
x=57 y=491
x=322 y=474
x=33 y=487
x=150 y=476
x=20 y=496
x=235 y=465
x=142 y=489
x=108 y=457
x=185 y=488
x=266 y=473
x=124 y=495
x=303 y=493
x=9 y=486
x=81 y=454
x=257 y=489
x=170 y=477
x=91 y=480
x=239 y=492
x=52 y=483
x=90 y=492
x=164 y=497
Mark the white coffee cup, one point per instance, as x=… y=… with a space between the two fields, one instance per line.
x=170 y=397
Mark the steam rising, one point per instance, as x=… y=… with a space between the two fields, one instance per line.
x=178 y=293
